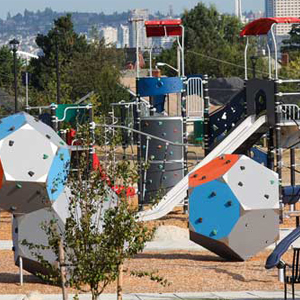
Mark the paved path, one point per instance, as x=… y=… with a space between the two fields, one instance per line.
x=169 y=296
x=169 y=238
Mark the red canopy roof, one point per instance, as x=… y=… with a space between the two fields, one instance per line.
x=263 y=25
x=157 y=28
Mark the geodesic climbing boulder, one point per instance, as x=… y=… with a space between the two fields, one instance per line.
x=234 y=207
x=28 y=227
x=34 y=164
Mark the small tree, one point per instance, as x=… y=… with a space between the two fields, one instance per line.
x=102 y=230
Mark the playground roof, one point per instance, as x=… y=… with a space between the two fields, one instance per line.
x=262 y=26
x=159 y=28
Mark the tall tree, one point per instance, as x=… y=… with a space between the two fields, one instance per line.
x=208 y=35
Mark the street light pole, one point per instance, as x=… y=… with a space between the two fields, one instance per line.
x=14 y=46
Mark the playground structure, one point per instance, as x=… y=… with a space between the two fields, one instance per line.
x=234 y=201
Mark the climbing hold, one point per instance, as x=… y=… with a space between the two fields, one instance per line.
x=11 y=128
x=213 y=194
x=152 y=157
x=150 y=181
x=240 y=183
x=175 y=130
x=30 y=173
x=144 y=146
x=61 y=156
x=48 y=136
x=228 y=162
x=146 y=124
x=175 y=174
x=53 y=190
x=214 y=232
x=19 y=186
x=62 y=143
x=195 y=175
x=160 y=123
x=164 y=177
x=11 y=143
x=229 y=203
x=13 y=208
x=200 y=220
x=267 y=196
x=160 y=167
x=45 y=156
x=163 y=134
x=242 y=168
x=272 y=181
x=159 y=146
x=171 y=152
x=203 y=177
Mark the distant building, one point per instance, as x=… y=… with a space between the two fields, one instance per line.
x=138 y=18
x=110 y=35
x=282 y=8
x=123 y=36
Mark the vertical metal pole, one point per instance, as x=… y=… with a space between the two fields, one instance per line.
x=15 y=78
x=270 y=61
x=271 y=148
x=182 y=53
x=139 y=150
x=26 y=83
x=185 y=138
x=53 y=117
x=293 y=172
x=206 y=114
x=137 y=50
x=245 y=58
x=91 y=137
x=21 y=270
x=275 y=49
x=278 y=144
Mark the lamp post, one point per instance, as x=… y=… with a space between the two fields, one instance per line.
x=162 y=64
x=14 y=47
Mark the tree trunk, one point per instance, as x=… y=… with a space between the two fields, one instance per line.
x=120 y=283
x=62 y=270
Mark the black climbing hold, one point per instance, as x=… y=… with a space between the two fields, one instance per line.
x=48 y=136
x=30 y=173
x=240 y=183
x=242 y=168
x=267 y=196
x=16 y=230
x=203 y=178
x=228 y=161
x=195 y=175
x=200 y=220
x=229 y=203
x=12 y=128
x=11 y=143
x=213 y=194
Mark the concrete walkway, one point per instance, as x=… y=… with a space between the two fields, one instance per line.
x=170 y=238
x=168 y=296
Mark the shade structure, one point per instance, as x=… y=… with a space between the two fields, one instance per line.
x=263 y=25
x=160 y=28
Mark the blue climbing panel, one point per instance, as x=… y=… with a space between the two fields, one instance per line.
x=213 y=209
x=58 y=173
x=11 y=123
x=152 y=86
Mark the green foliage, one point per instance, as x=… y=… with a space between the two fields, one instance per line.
x=83 y=67
x=292 y=44
x=210 y=34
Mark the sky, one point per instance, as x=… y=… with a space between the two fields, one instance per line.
x=109 y=6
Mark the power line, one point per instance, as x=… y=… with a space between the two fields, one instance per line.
x=224 y=61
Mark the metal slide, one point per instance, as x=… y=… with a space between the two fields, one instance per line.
x=229 y=145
